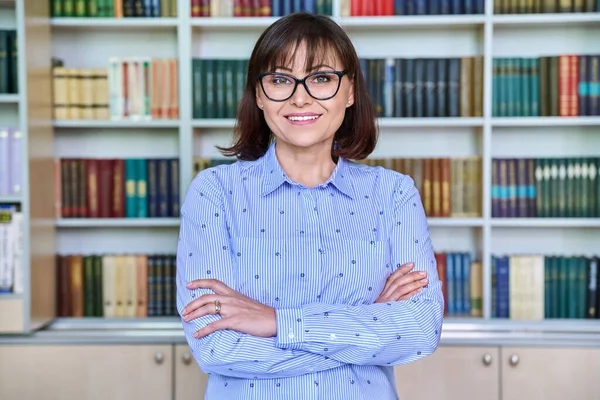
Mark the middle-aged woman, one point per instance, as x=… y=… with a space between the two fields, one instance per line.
x=290 y=275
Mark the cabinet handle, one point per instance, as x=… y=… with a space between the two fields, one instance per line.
x=186 y=358
x=159 y=358
x=513 y=360
x=487 y=359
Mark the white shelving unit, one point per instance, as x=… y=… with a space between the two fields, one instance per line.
x=29 y=110
x=89 y=43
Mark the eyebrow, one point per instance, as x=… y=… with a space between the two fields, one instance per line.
x=313 y=68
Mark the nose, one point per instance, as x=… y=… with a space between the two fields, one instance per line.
x=300 y=97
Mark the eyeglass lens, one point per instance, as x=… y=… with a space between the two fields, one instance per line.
x=322 y=85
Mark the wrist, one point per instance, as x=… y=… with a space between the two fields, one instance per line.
x=290 y=328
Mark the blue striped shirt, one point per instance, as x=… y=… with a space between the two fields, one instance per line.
x=320 y=256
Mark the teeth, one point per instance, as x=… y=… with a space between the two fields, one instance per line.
x=303 y=118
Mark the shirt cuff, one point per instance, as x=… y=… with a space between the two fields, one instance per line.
x=290 y=328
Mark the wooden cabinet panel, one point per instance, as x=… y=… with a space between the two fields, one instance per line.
x=90 y=372
x=190 y=381
x=550 y=373
x=452 y=373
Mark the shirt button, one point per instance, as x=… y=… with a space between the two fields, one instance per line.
x=332 y=336
x=291 y=335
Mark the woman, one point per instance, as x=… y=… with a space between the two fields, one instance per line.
x=288 y=264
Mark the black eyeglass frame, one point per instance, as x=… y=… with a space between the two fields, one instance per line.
x=302 y=81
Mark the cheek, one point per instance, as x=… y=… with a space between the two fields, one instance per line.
x=337 y=108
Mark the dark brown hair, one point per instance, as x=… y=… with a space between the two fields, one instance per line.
x=357 y=136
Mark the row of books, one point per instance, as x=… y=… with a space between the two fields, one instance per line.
x=401 y=87
x=276 y=8
x=11 y=249
x=425 y=87
x=545 y=6
x=535 y=287
x=348 y=8
x=360 y=8
x=461 y=275
x=117 y=188
x=113 y=8
x=9 y=69
x=259 y=8
x=524 y=287
x=141 y=88
x=115 y=285
x=449 y=187
x=567 y=187
x=10 y=161
x=146 y=88
x=564 y=85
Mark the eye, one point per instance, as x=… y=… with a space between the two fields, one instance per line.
x=280 y=80
x=322 y=78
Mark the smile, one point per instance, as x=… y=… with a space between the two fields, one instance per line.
x=302 y=118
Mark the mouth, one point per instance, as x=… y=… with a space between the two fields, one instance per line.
x=302 y=119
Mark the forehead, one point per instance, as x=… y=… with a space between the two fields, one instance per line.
x=305 y=56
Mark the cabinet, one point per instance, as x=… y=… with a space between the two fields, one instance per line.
x=99 y=372
x=452 y=373
x=169 y=372
x=190 y=381
x=86 y=372
x=502 y=373
x=550 y=373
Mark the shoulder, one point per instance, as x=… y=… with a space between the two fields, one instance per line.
x=216 y=180
x=388 y=183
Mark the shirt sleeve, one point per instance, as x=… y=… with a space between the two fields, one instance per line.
x=381 y=333
x=203 y=252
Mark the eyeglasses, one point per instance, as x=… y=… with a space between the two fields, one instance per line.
x=321 y=85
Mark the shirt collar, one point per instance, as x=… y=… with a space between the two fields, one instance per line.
x=274 y=176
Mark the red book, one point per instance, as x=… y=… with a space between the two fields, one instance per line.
x=574 y=85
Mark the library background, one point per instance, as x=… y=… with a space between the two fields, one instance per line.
x=109 y=108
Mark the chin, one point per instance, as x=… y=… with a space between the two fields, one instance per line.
x=308 y=141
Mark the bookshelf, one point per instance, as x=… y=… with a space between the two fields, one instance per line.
x=29 y=111
x=89 y=42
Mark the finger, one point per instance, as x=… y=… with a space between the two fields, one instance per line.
x=204 y=300
x=408 y=279
x=207 y=309
x=401 y=295
x=220 y=324
x=213 y=284
x=403 y=270
x=408 y=288
x=411 y=294
x=404 y=285
x=399 y=273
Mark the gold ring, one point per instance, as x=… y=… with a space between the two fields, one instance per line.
x=217 y=307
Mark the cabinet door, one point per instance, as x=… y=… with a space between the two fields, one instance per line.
x=451 y=373
x=540 y=373
x=190 y=381
x=90 y=372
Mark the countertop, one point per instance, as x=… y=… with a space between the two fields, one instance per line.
x=455 y=332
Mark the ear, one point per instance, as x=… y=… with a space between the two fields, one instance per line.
x=259 y=102
x=350 y=95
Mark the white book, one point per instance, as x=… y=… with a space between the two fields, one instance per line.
x=16 y=140
x=5 y=162
x=108 y=286
x=18 y=227
x=7 y=253
x=115 y=88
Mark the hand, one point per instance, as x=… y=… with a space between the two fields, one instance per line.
x=238 y=312
x=403 y=284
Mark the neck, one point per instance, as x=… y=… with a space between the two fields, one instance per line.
x=309 y=167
